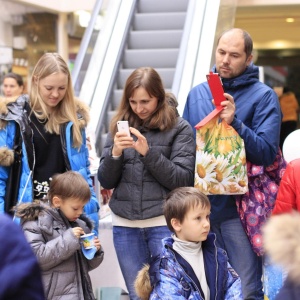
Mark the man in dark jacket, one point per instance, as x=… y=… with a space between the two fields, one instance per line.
x=20 y=276
x=253 y=110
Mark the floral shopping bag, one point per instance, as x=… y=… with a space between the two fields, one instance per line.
x=256 y=206
x=220 y=158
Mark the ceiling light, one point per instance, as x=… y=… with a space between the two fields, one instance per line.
x=290 y=20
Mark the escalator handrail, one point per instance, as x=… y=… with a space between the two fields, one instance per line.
x=85 y=41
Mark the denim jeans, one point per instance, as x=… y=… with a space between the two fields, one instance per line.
x=134 y=248
x=232 y=238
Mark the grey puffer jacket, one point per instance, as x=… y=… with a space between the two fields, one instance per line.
x=58 y=251
x=140 y=183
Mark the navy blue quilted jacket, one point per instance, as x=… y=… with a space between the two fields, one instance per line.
x=173 y=278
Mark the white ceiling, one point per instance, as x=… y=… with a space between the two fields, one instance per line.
x=55 y=6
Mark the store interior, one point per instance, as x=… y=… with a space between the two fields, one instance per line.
x=30 y=28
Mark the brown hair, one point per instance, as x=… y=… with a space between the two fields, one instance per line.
x=66 y=110
x=179 y=201
x=70 y=184
x=163 y=118
x=18 y=78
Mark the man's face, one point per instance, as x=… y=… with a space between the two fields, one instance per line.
x=231 y=58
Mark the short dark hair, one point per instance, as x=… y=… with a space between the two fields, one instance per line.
x=248 y=42
x=70 y=184
x=179 y=201
x=18 y=78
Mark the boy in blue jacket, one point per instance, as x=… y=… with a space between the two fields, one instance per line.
x=190 y=265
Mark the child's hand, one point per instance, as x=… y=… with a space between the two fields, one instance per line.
x=78 y=231
x=97 y=243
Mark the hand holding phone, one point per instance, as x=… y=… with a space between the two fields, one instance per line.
x=123 y=127
x=216 y=87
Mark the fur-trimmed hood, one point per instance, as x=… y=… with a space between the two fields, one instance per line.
x=142 y=283
x=282 y=242
x=32 y=211
x=83 y=112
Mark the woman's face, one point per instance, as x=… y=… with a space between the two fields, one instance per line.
x=53 y=89
x=142 y=104
x=11 y=87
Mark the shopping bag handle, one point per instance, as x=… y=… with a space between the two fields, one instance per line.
x=209 y=117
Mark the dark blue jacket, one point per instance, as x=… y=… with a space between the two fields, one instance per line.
x=20 y=276
x=257 y=120
x=172 y=277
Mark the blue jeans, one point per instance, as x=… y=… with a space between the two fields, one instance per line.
x=232 y=238
x=134 y=248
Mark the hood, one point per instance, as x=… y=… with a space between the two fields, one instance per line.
x=82 y=113
x=7 y=157
x=32 y=211
x=4 y=102
x=281 y=238
x=248 y=77
x=142 y=283
x=11 y=108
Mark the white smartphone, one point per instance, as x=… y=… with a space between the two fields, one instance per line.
x=123 y=127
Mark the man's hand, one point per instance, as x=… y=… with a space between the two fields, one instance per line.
x=228 y=112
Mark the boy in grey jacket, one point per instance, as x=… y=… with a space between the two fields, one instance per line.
x=53 y=230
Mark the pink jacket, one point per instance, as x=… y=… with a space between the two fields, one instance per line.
x=288 y=197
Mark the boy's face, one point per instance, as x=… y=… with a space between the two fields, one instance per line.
x=195 y=226
x=71 y=207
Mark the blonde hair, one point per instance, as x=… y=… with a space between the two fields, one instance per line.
x=165 y=115
x=65 y=111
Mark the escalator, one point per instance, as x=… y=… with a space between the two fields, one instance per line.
x=176 y=37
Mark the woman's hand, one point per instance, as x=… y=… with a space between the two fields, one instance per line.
x=121 y=142
x=227 y=114
x=141 y=144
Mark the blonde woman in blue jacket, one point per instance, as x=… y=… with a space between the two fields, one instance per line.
x=42 y=135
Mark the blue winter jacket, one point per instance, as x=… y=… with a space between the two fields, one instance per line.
x=257 y=120
x=172 y=277
x=16 y=115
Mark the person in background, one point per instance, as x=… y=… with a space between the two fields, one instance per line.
x=53 y=229
x=20 y=274
x=49 y=126
x=12 y=85
x=158 y=156
x=288 y=197
x=290 y=110
x=190 y=266
x=281 y=238
x=250 y=107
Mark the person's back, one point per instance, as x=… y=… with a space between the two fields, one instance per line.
x=20 y=275
x=290 y=110
x=289 y=106
x=190 y=265
x=288 y=197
